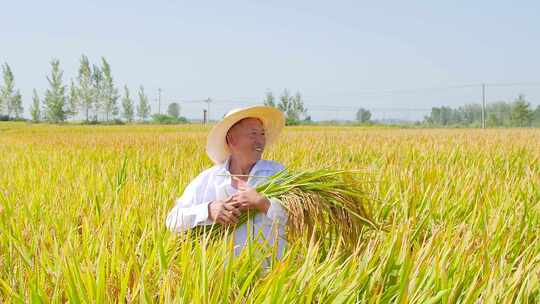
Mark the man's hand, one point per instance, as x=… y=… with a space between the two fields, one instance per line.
x=224 y=211
x=248 y=198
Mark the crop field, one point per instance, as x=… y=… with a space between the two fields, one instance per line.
x=83 y=208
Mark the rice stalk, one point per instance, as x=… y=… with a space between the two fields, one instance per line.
x=330 y=204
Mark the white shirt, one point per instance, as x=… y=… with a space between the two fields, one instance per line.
x=191 y=209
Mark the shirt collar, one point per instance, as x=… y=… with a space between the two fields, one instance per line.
x=255 y=168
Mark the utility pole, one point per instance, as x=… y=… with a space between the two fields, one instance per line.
x=208 y=101
x=159 y=101
x=483 y=105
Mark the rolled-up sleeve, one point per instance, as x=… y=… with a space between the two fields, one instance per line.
x=190 y=209
x=276 y=213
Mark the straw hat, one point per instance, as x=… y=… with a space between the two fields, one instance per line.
x=272 y=119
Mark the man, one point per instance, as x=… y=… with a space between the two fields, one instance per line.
x=221 y=193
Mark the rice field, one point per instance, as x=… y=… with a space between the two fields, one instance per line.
x=82 y=218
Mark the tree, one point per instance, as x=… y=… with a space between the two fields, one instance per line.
x=363 y=115
x=284 y=101
x=269 y=99
x=293 y=107
x=109 y=91
x=85 y=88
x=173 y=110
x=143 y=109
x=536 y=116
x=521 y=112
x=16 y=104
x=499 y=114
x=7 y=90
x=35 y=111
x=97 y=90
x=435 y=116
x=167 y=119
x=456 y=116
x=446 y=116
x=297 y=107
x=55 y=98
x=493 y=120
x=472 y=113
x=72 y=100
x=127 y=105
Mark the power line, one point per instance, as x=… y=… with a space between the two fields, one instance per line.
x=383 y=93
x=222 y=103
x=514 y=84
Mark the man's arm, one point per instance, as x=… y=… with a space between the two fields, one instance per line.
x=276 y=212
x=190 y=209
x=193 y=209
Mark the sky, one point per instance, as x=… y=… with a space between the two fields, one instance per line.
x=395 y=58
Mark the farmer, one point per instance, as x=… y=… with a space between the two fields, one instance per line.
x=220 y=194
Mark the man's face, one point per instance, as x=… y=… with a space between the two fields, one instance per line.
x=247 y=139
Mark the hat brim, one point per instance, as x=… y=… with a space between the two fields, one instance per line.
x=272 y=119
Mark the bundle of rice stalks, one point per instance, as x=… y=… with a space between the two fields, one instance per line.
x=329 y=205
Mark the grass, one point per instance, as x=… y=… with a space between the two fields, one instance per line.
x=82 y=211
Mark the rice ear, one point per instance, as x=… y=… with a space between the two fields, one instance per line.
x=329 y=205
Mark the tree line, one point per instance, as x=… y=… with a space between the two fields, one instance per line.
x=518 y=113
x=92 y=94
